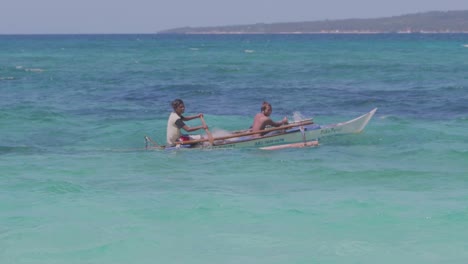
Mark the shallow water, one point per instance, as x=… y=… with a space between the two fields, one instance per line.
x=76 y=185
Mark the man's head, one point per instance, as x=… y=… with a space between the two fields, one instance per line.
x=178 y=106
x=266 y=108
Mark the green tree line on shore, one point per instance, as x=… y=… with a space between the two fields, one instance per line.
x=429 y=22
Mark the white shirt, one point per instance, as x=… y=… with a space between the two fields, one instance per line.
x=174 y=124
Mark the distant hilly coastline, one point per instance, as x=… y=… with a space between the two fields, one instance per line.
x=429 y=22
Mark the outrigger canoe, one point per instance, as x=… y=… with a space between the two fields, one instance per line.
x=302 y=133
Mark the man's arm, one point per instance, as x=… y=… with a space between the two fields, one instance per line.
x=188 y=118
x=277 y=124
x=190 y=129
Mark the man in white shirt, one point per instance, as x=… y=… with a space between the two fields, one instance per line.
x=176 y=122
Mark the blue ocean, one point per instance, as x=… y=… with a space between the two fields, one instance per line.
x=77 y=185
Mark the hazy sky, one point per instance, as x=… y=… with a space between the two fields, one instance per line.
x=150 y=16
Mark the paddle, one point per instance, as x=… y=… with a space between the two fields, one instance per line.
x=208 y=133
x=301 y=122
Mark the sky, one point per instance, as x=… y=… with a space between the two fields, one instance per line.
x=151 y=16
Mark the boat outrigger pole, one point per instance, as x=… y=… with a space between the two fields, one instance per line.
x=148 y=140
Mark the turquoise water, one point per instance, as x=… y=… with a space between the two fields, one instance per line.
x=76 y=185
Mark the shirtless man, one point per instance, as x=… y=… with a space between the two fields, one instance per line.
x=263 y=119
x=176 y=122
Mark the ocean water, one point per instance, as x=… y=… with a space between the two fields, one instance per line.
x=76 y=185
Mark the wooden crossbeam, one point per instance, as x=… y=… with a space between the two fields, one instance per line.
x=297 y=124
